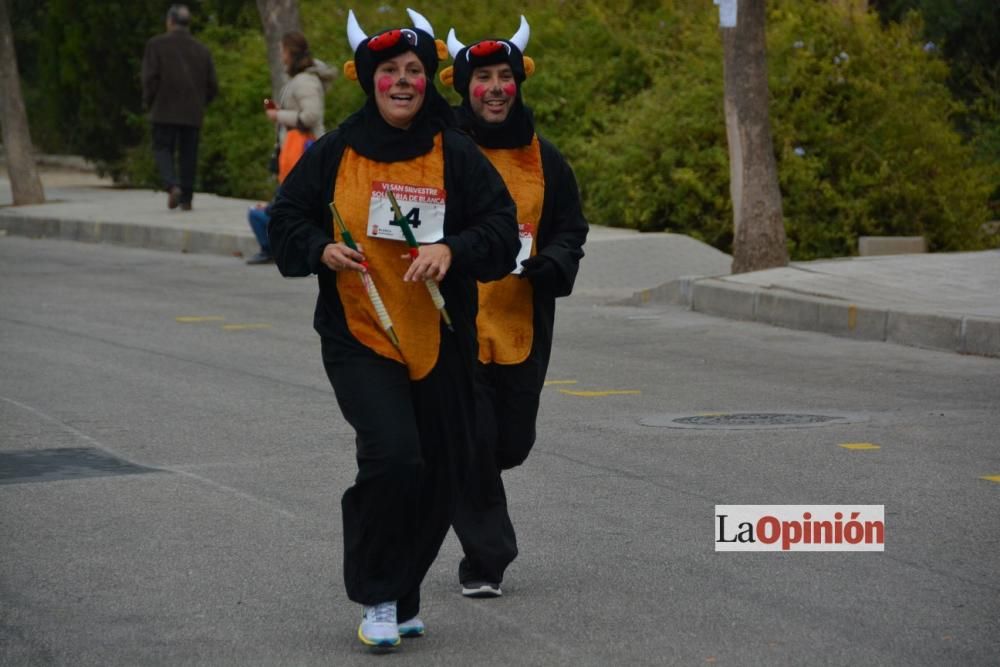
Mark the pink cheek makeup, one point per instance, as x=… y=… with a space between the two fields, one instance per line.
x=510 y=89
x=385 y=83
x=420 y=83
x=479 y=91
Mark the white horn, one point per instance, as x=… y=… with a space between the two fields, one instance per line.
x=355 y=35
x=454 y=46
x=520 y=38
x=420 y=22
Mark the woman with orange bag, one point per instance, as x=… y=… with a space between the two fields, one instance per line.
x=298 y=117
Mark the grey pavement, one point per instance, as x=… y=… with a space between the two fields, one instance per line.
x=944 y=301
x=172 y=460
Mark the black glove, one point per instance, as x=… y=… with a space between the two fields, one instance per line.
x=541 y=271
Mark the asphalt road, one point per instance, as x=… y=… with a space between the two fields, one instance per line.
x=210 y=532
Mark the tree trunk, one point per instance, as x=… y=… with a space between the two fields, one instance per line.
x=25 y=185
x=277 y=17
x=759 y=231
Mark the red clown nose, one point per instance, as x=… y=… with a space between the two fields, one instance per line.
x=485 y=48
x=385 y=40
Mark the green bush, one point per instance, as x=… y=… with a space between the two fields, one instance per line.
x=870 y=114
x=862 y=118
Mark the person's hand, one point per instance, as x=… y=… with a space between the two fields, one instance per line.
x=272 y=115
x=540 y=270
x=338 y=257
x=433 y=262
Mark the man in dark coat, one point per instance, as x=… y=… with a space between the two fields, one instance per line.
x=178 y=81
x=516 y=314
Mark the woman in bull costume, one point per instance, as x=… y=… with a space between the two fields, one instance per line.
x=402 y=377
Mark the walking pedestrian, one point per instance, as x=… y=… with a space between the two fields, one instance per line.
x=178 y=82
x=298 y=119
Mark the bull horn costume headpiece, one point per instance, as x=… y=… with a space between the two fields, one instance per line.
x=369 y=52
x=488 y=52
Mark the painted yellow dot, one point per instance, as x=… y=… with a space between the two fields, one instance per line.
x=548 y=382
x=595 y=394
x=190 y=319
x=860 y=445
x=992 y=478
x=245 y=327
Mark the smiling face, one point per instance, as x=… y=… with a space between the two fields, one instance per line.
x=400 y=84
x=492 y=90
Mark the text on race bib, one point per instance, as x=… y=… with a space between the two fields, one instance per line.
x=422 y=206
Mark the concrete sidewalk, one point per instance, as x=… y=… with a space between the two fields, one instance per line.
x=947 y=301
x=939 y=301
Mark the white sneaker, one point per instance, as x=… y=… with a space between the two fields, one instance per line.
x=378 y=626
x=412 y=628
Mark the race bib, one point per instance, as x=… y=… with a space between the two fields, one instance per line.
x=422 y=206
x=526 y=232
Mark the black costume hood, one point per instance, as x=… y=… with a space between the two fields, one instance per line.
x=365 y=130
x=518 y=128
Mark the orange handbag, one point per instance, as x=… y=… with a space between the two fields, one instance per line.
x=296 y=143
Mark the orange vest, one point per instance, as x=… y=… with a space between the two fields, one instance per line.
x=505 y=321
x=414 y=317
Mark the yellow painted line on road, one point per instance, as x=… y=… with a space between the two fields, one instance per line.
x=245 y=327
x=859 y=446
x=191 y=319
x=548 y=382
x=595 y=394
x=992 y=478
x=852 y=317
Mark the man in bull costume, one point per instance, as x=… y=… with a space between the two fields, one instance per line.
x=515 y=314
x=402 y=377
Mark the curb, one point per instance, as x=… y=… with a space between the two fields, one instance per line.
x=130 y=235
x=76 y=162
x=964 y=334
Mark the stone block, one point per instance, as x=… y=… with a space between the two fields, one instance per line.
x=922 y=330
x=981 y=335
x=851 y=320
x=717 y=297
x=891 y=245
x=793 y=311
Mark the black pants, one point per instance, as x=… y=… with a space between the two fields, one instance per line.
x=182 y=139
x=506 y=410
x=412 y=441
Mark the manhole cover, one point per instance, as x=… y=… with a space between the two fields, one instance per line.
x=748 y=420
x=49 y=465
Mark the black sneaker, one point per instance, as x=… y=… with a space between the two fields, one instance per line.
x=261 y=258
x=481 y=589
x=474 y=585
